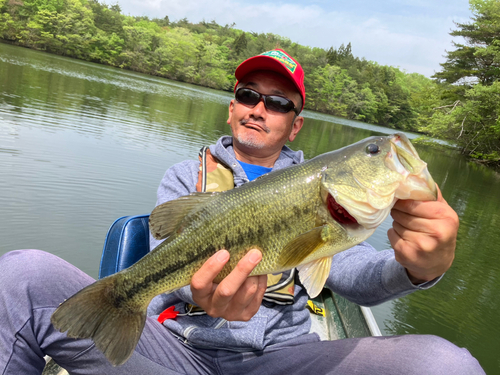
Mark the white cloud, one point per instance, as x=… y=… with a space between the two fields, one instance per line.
x=413 y=36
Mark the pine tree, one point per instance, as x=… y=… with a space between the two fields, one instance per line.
x=334 y=56
x=477 y=61
x=240 y=44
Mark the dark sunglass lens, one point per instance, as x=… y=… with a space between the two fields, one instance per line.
x=247 y=96
x=272 y=102
x=279 y=104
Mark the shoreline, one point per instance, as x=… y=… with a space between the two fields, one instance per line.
x=422 y=138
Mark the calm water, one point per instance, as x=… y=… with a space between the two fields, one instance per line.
x=83 y=144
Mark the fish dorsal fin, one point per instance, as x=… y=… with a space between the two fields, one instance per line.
x=313 y=275
x=301 y=247
x=166 y=217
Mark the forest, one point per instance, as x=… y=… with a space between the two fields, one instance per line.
x=461 y=103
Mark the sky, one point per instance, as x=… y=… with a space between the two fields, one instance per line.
x=410 y=34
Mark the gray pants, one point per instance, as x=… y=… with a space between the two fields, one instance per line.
x=33 y=283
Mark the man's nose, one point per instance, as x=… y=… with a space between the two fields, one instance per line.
x=260 y=107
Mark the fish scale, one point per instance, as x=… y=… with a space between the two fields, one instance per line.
x=260 y=210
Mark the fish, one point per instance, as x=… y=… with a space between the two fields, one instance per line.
x=298 y=217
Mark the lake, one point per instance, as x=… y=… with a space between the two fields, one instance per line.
x=82 y=144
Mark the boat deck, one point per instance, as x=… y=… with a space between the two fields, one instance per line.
x=341 y=318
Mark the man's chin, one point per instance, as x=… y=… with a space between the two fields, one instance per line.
x=250 y=141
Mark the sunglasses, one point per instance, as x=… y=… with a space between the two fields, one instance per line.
x=274 y=103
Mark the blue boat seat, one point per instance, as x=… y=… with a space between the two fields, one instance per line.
x=127 y=241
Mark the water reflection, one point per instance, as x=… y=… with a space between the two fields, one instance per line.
x=82 y=144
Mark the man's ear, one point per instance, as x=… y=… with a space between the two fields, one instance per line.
x=296 y=126
x=231 y=107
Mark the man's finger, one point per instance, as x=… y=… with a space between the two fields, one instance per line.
x=411 y=222
x=253 y=289
x=254 y=300
x=418 y=240
x=232 y=282
x=203 y=279
x=425 y=209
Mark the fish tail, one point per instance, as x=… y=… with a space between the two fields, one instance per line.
x=100 y=313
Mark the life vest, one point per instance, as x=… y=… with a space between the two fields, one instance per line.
x=215 y=176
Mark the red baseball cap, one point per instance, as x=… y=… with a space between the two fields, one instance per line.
x=277 y=61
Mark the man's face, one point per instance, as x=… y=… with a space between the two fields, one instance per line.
x=257 y=130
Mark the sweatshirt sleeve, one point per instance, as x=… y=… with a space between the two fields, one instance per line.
x=369 y=277
x=178 y=181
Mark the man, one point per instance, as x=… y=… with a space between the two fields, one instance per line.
x=423 y=237
x=231 y=328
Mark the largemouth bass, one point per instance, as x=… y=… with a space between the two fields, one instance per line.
x=299 y=217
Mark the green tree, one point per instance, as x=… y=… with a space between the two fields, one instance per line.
x=106 y=48
x=107 y=18
x=7 y=24
x=162 y=22
x=337 y=93
x=329 y=84
x=240 y=44
x=468 y=96
x=141 y=41
x=477 y=61
x=177 y=52
x=338 y=56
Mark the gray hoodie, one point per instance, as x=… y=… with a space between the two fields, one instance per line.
x=360 y=274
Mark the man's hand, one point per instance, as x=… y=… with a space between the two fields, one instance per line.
x=237 y=297
x=423 y=236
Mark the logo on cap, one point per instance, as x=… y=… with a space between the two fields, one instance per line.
x=282 y=58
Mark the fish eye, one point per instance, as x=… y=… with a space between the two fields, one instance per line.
x=372 y=148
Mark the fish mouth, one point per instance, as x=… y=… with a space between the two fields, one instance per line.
x=417 y=184
x=357 y=202
x=339 y=213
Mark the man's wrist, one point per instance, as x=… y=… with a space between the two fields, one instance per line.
x=417 y=280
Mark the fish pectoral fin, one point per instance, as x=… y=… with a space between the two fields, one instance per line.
x=301 y=247
x=166 y=217
x=313 y=275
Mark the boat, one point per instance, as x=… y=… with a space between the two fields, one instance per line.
x=333 y=317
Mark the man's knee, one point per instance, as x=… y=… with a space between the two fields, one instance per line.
x=27 y=263
x=39 y=274
x=435 y=355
